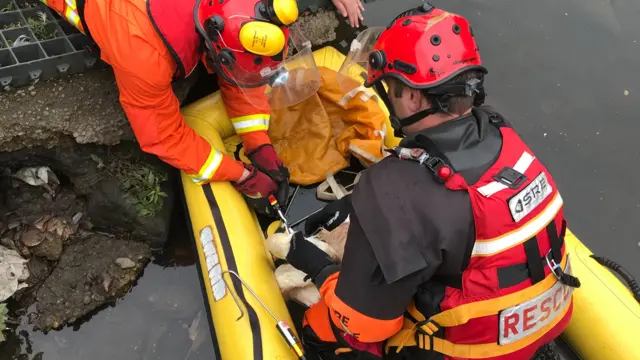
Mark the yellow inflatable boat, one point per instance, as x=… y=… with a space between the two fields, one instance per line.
x=237 y=271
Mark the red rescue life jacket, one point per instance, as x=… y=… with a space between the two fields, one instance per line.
x=174 y=22
x=496 y=312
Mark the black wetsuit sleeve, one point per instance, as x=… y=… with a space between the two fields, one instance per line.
x=361 y=284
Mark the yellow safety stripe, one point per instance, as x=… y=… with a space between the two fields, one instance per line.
x=72 y=16
x=250 y=123
x=208 y=170
x=489 y=247
x=406 y=337
x=462 y=314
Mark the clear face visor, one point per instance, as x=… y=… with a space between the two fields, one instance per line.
x=297 y=78
x=354 y=69
x=288 y=82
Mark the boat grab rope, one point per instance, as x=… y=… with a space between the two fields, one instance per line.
x=618 y=269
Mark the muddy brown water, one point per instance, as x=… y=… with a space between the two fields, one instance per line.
x=565 y=73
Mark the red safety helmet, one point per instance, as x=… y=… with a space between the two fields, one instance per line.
x=245 y=37
x=247 y=42
x=424 y=48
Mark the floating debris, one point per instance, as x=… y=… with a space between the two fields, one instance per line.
x=196 y=333
x=38 y=176
x=76 y=218
x=626 y=92
x=32 y=237
x=13 y=272
x=56 y=225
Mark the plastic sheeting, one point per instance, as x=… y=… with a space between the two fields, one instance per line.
x=13 y=270
x=320 y=134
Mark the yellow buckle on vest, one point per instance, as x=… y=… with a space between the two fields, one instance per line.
x=420 y=334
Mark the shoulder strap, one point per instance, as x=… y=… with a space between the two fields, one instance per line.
x=495 y=118
x=428 y=155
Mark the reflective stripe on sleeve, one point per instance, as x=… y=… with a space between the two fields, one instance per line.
x=250 y=123
x=208 y=170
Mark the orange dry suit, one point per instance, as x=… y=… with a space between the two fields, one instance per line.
x=149 y=44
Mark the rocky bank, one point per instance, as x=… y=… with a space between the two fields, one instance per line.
x=89 y=232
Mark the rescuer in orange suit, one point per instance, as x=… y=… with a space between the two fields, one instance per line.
x=151 y=43
x=455 y=248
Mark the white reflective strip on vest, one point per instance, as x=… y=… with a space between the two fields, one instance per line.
x=525 y=319
x=520 y=235
x=210 y=169
x=521 y=166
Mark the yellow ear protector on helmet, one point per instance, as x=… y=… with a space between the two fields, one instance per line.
x=266 y=38
x=280 y=12
x=262 y=38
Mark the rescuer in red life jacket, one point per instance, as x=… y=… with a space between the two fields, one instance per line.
x=456 y=246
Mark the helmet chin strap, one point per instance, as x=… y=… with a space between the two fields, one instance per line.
x=468 y=88
x=396 y=122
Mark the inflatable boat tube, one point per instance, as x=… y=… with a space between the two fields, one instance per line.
x=606 y=316
x=228 y=238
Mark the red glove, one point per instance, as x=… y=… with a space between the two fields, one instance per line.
x=264 y=158
x=256 y=189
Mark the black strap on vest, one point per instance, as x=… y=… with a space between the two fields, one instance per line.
x=556 y=241
x=436 y=159
x=92 y=46
x=534 y=267
x=532 y=251
x=495 y=119
x=514 y=274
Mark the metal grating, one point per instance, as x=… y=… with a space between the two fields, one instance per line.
x=37 y=44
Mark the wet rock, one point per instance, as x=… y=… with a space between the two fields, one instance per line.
x=106 y=282
x=125 y=263
x=90 y=195
x=97 y=298
x=6 y=240
x=97 y=255
x=111 y=209
x=32 y=237
x=32 y=317
x=50 y=248
x=547 y=352
x=95 y=116
x=40 y=269
x=26 y=202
